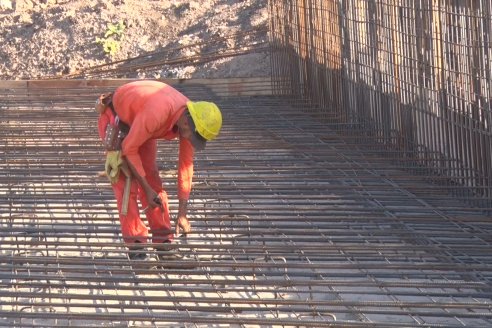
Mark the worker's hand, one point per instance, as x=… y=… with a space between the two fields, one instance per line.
x=112 y=166
x=153 y=198
x=182 y=225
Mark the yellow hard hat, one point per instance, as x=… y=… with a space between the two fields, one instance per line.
x=207 y=118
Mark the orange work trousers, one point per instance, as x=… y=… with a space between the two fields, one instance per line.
x=132 y=227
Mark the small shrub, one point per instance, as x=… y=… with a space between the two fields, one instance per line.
x=112 y=38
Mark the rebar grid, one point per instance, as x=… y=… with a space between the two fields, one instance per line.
x=412 y=76
x=294 y=225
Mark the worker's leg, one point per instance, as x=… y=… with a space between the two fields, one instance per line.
x=159 y=220
x=132 y=227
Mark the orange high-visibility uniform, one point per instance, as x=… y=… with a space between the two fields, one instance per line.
x=151 y=109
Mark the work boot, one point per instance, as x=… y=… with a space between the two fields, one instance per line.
x=137 y=253
x=165 y=252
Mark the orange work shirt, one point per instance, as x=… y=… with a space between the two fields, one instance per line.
x=152 y=109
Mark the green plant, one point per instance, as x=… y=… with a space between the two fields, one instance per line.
x=115 y=29
x=112 y=38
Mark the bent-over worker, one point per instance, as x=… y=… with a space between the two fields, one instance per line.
x=145 y=111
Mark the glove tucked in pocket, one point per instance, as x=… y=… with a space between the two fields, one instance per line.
x=112 y=166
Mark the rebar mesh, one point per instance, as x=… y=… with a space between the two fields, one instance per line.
x=294 y=225
x=412 y=76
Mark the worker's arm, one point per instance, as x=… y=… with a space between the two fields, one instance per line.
x=182 y=224
x=183 y=209
x=150 y=193
x=136 y=137
x=185 y=175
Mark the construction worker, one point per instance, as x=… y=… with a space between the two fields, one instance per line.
x=145 y=111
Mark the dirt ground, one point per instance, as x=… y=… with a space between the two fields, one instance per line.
x=43 y=38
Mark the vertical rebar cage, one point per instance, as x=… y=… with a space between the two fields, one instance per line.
x=411 y=77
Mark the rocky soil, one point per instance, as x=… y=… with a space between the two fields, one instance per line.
x=47 y=38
